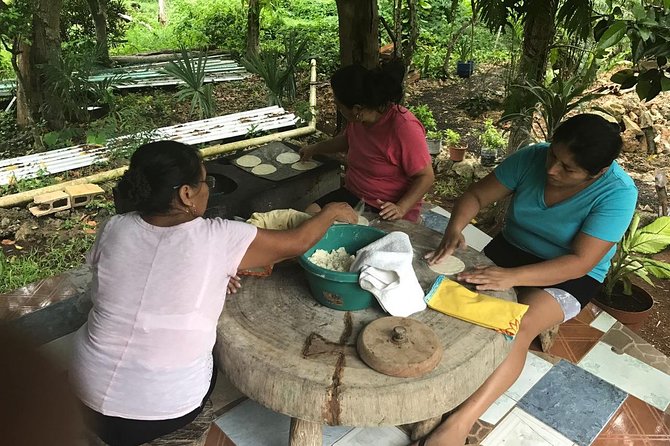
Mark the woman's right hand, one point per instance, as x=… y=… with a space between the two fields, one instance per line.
x=307 y=152
x=341 y=212
x=451 y=241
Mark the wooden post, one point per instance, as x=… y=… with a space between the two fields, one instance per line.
x=305 y=433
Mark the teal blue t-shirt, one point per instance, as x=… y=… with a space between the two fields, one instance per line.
x=603 y=210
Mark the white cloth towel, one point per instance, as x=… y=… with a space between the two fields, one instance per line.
x=386 y=271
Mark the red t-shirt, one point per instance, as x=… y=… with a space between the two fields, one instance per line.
x=382 y=158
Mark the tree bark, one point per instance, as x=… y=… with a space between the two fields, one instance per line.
x=99 y=12
x=359 y=32
x=413 y=25
x=538 y=34
x=253 y=27
x=162 y=13
x=35 y=100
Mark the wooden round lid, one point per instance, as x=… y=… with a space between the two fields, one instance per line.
x=399 y=346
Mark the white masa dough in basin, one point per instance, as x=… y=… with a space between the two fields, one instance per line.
x=450 y=265
x=264 y=169
x=336 y=260
x=288 y=158
x=248 y=161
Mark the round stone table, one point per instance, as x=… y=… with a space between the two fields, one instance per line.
x=286 y=351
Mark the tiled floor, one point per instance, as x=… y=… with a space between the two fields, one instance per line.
x=593 y=346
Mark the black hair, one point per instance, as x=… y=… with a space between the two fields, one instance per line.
x=593 y=141
x=156 y=171
x=373 y=89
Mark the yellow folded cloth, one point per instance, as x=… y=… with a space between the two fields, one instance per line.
x=278 y=219
x=449 y=297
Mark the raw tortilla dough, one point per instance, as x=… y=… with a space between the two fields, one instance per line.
x=264 y=169
x=248 y=161
x=335 y=260
x=361 y=221
x=288 y=158
x=450 y=265
x=304 y=165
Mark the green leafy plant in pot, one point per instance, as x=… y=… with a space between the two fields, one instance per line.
x=452 y=140
x=492 y=143
x=621 y=298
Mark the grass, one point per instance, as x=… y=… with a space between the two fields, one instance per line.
x=56 y=257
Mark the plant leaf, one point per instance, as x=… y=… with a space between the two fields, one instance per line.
x=613 y=35
x=658 y=268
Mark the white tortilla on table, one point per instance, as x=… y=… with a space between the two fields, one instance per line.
x=304 y=165
x=288 y=158
x=450 y=265
x=264 y=169
x=248 y=161
x=362 y=221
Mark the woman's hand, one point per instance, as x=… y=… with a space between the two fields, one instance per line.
x=307 y=152
x=490 y=278
x=451 y=241
x=390 y=211
x=234 y=284
x=342 y=212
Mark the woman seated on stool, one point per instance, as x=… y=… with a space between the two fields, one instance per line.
x=388 y=164
x=142 y=364
x=570 y=204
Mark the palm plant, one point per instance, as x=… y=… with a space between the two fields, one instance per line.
x=192 y=73
x=631 y=256
x=278 y=70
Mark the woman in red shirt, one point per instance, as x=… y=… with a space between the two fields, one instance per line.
x=388 y=164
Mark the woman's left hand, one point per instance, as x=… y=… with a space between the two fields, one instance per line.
x=390 y=211
x=234 y=284
x=491 y=278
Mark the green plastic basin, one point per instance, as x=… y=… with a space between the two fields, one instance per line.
x=339 y=290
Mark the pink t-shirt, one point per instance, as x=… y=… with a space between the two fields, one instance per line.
x=382 y=158
x=146 y=351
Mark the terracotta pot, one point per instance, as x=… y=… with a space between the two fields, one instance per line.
x=456 y=153
x=631 y=319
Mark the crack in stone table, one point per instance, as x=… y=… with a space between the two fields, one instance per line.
x=286 y=351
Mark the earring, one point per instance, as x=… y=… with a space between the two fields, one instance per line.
x=358 y=116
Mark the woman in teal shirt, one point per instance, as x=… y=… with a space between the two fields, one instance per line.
x=570 y=204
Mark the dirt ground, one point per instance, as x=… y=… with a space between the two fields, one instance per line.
x=459 y=104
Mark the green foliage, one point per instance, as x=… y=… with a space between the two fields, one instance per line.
x=425 y=115
x=76 y=22
x=491 y=137
x=553 y=102
x=216 y=23
x=278 y=69
x=648 y=31
x=56 y=257
x=632 y=251
x=451 y=138
x=192 y=73
x=42 y=179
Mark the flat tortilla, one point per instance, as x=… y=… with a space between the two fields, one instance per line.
x=361 y=221
x=304 y=165
x=449 y=266
x=248 y=161
x=264 y=169
x=288 y=158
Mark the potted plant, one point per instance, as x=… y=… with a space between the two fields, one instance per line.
x=492 y=143
x=434 y=141
x=452 y=140
x=621 y=298
x=465 y=65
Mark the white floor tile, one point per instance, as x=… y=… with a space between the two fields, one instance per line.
x=534 y=369
x=629 y=374
x=59 y=351
x=603 y=322
x=378 y=436
x=250 y=424
x=474 y=237
x=520 y=429
x=498 y=410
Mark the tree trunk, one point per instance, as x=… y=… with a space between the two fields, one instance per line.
x=413 y=25
x=538 y=35
x=35 y=100
x=162 y=13
x=99 y=12
x=359 y=32
x=253 y=27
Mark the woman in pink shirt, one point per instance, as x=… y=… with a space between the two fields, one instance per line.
x=388 y=164
x=142 y=363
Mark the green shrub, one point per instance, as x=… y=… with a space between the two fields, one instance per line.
x=425 y=115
